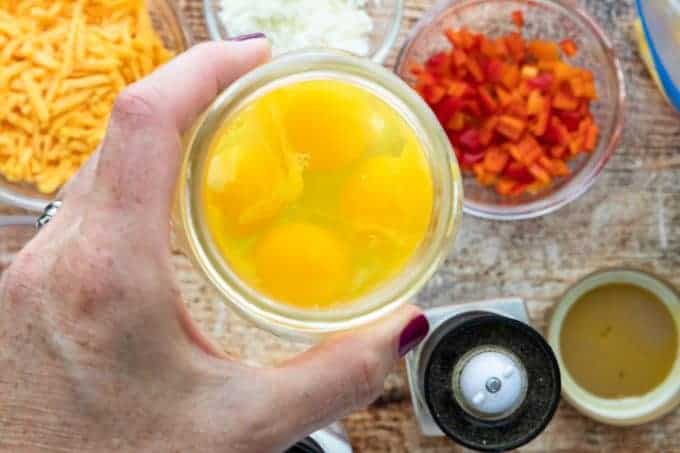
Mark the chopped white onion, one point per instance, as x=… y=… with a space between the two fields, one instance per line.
x=297 y=24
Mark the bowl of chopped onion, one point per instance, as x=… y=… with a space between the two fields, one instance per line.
x=368 y=28
x=64 y=63
x=530 y=94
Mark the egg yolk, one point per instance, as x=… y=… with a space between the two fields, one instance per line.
x=328 y=125
x=316 y=193
x=302 y=263
x=252 y=174
x=389 y=197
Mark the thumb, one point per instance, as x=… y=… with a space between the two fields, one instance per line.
x=344 y=373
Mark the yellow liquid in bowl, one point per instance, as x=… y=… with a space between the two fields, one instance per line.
x=618 y=341
x=316 y=193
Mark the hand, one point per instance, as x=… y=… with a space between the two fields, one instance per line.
x=97 y=350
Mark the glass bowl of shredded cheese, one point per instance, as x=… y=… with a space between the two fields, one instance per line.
x=62 y=64
x=368 y=28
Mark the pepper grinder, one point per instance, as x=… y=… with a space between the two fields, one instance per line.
x=332 y=439
x=483 y=377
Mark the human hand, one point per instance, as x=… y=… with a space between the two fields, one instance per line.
x=97 y=350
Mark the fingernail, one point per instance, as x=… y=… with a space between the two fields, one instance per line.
x=414 y=332
x=248 y=37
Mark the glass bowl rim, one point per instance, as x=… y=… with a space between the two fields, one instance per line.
x=250 y=303
x=580 y=182
x=212 y=24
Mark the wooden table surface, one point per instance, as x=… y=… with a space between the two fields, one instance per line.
x=630 y=217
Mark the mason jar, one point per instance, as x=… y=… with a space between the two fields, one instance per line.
x=265 y=312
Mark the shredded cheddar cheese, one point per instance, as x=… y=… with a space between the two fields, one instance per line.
x=62 y=63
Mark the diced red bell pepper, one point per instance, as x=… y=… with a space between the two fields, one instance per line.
x=474 y=69
x=514 y=151
x=469 y=40
x=487 y=101
x=470 y=140
x=544 y=50
x=501 y=48
x=529 y=71
x=536 y=187
x=433 y=93
x=556 y=167
x=487 y=48
x=454 y=37
x=504 y=98
x=562 y=71
x=446 y=108
x=511 y=127
x=518 y=18
x=570 y=119
x=556 y=133
x=539 y=173
x=541 y=123
x=459 y=89
x=576 y=85
x=517 y=109
x=427 y=78
x=558 y=151
x=516 y=47
x=589 y=91
x=459 y=57
x=487 y=132
x=487 y=179
x=495 y=160
x=569 y=47
x=535 y=103
x=438 y=64
x=519 y=189
x=518 y=172
x=472 y=107
x=591 y=137
x=493 y=69
x=565 y=101
x=529 y=150
x=505 y=186
x=543 y=81
x=511 y=76
x=560 y=168
x=457 y=122
x=576 y=144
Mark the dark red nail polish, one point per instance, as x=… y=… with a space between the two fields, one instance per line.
x=248 y=37
x=413 y=333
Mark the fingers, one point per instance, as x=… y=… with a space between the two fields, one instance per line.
x=141 y=154
x=345 y=373
x=185 y=86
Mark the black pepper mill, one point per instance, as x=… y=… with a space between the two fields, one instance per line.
x=332 y=439
x=484 y=377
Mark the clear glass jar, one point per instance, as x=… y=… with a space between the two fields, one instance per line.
x=288 y=69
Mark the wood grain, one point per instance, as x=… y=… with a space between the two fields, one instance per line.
x=631 y=217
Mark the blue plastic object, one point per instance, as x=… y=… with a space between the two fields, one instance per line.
x=661 y=25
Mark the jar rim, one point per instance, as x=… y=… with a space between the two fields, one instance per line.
x=321 y=65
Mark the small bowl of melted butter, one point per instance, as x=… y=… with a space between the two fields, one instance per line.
x=616 y=337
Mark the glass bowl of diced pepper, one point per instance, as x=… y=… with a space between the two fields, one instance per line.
x=530 y=94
